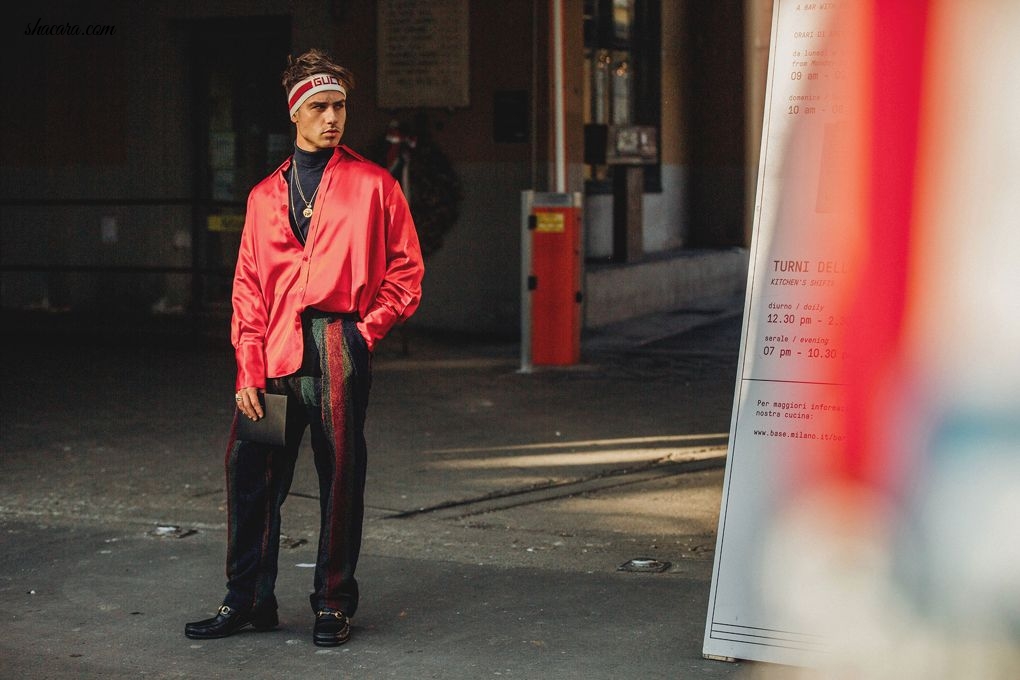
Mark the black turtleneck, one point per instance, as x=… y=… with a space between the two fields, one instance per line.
x=309 y=166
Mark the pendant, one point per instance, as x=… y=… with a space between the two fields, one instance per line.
x=307 y=212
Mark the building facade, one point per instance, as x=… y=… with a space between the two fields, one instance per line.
x=137 y=129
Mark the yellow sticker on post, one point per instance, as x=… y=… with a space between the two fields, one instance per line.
x=549 y=222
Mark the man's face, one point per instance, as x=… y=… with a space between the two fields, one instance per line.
x=320 y=121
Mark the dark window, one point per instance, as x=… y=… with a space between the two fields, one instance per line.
x=622 y=41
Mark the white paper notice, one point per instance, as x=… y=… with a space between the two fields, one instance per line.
x=788 y=401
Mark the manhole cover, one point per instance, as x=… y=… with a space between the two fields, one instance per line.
x=644 y=564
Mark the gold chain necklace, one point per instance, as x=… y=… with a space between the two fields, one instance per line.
x=307 y=212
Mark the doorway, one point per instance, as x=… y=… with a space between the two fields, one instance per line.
x=241 y=133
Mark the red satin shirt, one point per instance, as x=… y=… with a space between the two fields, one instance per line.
x=361 y=256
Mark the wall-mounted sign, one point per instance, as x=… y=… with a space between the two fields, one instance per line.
x=423 y=54
x=620 y=144
x=225 y=223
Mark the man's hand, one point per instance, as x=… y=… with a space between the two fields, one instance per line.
x=248 y=403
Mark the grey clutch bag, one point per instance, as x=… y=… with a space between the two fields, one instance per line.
x=269 y=429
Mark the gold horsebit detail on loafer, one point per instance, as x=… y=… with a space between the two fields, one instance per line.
x=338 y=615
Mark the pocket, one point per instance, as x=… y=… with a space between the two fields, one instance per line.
x=355 y=338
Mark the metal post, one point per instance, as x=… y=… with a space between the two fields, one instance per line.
x=559 y=107
x=527 y=200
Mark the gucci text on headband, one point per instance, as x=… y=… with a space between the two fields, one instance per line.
x=321 y=82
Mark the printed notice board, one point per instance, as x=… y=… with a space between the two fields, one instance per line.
x=788 y=401
x=423 y=54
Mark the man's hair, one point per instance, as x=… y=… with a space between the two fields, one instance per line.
x=311 y=62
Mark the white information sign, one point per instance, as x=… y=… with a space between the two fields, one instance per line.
x=787 y=401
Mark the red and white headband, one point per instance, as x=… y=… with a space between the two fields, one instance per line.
x=320 y=82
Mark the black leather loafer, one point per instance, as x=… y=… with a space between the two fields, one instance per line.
x=332 y=628
x=228 y=621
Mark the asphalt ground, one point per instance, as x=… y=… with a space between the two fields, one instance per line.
x=504 y=506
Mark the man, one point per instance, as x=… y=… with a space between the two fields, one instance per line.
x=329 y=261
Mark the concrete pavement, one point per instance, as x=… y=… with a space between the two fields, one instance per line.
x=501 y=507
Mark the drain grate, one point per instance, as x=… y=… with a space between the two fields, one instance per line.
x=644 y=565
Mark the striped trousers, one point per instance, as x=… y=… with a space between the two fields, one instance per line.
x=329 y=397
